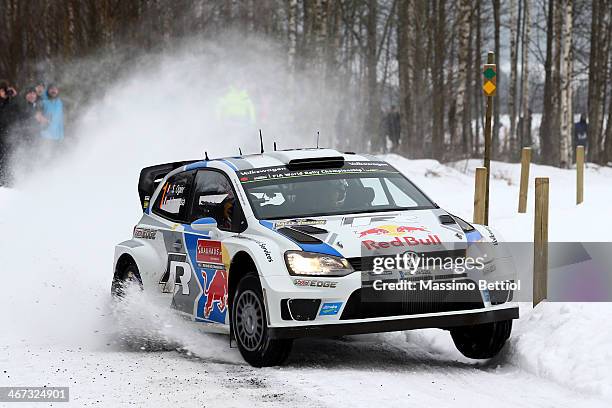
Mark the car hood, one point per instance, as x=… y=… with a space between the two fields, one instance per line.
x=372 y=233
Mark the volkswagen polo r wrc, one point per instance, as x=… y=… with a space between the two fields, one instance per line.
x=289 y=244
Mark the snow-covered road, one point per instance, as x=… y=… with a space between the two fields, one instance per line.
x=395 y=370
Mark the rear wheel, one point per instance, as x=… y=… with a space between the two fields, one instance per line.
x=250 y=327
x=126 y=277
x=483 y=340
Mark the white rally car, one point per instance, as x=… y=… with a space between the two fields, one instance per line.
x=281 y=245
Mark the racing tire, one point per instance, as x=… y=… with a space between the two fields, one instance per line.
x=125 y=278
x=482 y=341
x=250 y=327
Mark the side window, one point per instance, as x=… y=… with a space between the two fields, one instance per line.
x=214 y=197
x=172 y=202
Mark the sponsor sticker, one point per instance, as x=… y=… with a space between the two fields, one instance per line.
x=369 y=244
x=209 y=252
x=315 y=283
x=145 y=233
x=492 y=236
x=330 y=309
x=216 y=291
x=177 y=275
x=392 y=230
x=293 y=223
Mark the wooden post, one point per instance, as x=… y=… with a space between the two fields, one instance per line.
x=540 y=241
x=489 y=89
x=479 y=195
x=525 y=160
x=579 y=174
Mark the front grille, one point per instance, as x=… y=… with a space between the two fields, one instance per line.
x=411 y=302
x=365 y=263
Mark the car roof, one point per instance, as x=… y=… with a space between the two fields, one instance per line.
x=281 y=158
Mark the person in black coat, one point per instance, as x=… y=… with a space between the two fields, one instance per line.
x=392 y=125
x=581 y=132
x=29 y=119
x=7 y=119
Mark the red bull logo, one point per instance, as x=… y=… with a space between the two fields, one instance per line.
x=392 y=230
x=216 y=292
x=431 y=239
x=410 y=229
x=373 y=231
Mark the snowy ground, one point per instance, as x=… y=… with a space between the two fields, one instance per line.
x=57 y=328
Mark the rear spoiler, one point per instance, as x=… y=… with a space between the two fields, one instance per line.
x=150 y=177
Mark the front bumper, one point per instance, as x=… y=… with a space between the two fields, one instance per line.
x=398 y=323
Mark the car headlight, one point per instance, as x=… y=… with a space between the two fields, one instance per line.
x=312 y=264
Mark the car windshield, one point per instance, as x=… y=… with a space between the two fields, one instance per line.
x=278 y=193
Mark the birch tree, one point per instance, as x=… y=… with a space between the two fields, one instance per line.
x=514 y=33
x=525 y=130
x=567 y=121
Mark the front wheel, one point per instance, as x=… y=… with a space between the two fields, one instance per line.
x=482 y=340
x=250 y=327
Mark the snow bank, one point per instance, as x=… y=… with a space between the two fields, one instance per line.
x=568 y=343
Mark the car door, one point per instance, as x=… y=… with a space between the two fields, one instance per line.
x=213 y=197
x=176 y=281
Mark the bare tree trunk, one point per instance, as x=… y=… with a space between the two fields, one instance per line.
x=451 y=97
x=514 y=30
x=467 y=107
x=437 y=126
x=525 y=109
x=373 y=117
x=479 y=96
x=463 y=32
x=567 y=120
x=606 y=154
x=404 y=61
x=292 y=34
x=546 y=143
x=496 y=122
x=419 y=78
x=597 y=80
x=556 y=84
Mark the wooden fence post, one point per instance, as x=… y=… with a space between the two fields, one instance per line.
x=579 y=174
x=479 y=195
x=525 y=160
x=540 y=241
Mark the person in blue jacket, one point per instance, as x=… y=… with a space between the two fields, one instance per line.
x=53 y=112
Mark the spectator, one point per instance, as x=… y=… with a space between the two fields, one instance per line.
x=53 y=112
x=30 y=118
x=581 y=132
x=40 y=91
x=7 y=117
x=393 y=127
x=236 y=106
x=342 y=127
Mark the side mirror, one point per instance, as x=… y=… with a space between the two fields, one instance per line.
x=206 y=224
